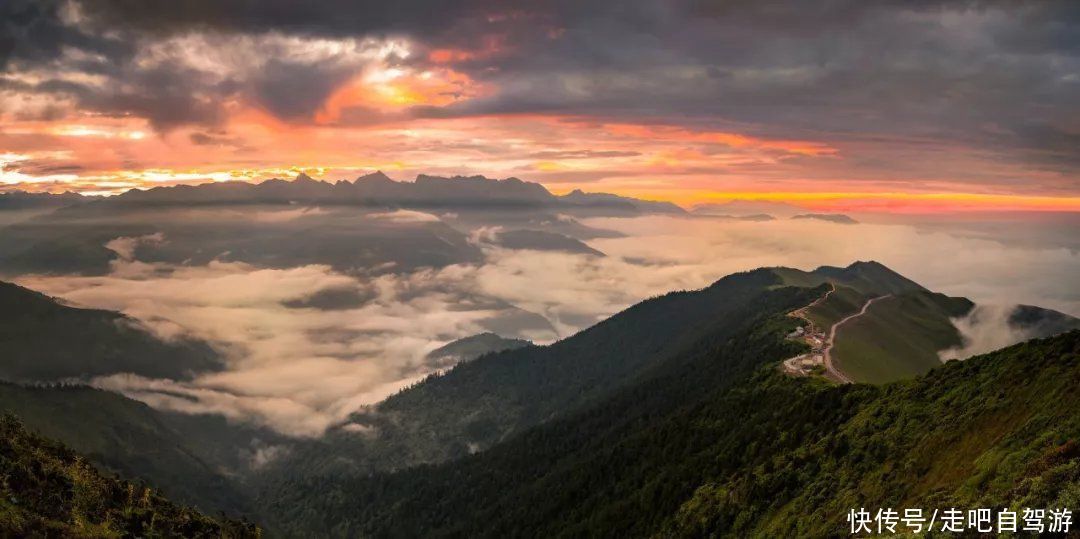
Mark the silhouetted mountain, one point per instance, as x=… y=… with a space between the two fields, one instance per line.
x=22 y=200
x=379 y=190
x=539 y=240
x=830 y=217
x=351 y=226
x=619 y=204
x=744 y=208
x=42 y=340
x=1040 y=322
x=75 y=239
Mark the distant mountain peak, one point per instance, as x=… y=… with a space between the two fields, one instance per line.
x=377 y=176
x=830 y=217
x=472 y=347
x=378 y=189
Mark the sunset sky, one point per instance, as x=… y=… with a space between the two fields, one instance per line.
x=853 y=106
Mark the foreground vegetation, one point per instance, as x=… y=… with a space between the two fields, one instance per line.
x=48 y=490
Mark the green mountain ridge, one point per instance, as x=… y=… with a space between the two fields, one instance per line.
x=44 y=341
x=770 y=456
x=480 y=402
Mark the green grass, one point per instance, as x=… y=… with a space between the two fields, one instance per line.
x=898 y=337
x=795 y=277
x=841 y=303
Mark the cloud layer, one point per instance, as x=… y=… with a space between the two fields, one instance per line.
x=300 y=361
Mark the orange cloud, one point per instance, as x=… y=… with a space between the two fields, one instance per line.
x=394 y=89
x=491 y=45
x=734 y=140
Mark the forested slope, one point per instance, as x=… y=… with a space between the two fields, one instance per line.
x=134 y=440
x=736 y=344
x=50 y=491
x=44 y=340
x=481 y=402
x=772 y=456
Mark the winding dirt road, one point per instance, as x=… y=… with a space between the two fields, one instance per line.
x=801 y=311
x=832 y=340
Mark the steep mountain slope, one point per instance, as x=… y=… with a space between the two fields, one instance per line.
x=773 y=456
x=43 y=340
x=470 y=348
x=130 y=438
x=999 y=430
x=486 y=400
x=50 y=491
x=899 y=336
x=705 y=365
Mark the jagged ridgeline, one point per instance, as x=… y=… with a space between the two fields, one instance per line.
x=50 y=491
x=349 y=225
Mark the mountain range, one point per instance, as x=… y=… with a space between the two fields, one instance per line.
x=372 y=224
x=378 y=189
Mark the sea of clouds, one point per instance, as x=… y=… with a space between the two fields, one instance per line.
x=300 y=369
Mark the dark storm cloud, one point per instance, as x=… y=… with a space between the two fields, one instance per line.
x=293 y=90
x=32 y=31
x=996 y=75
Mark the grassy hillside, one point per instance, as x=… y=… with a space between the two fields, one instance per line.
x=869 y=278
x=43 y=340
x=51 y=491
x=841 y=303
x=898 y=337
x=770 y=457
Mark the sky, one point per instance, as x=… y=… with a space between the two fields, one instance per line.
x=926 y=106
